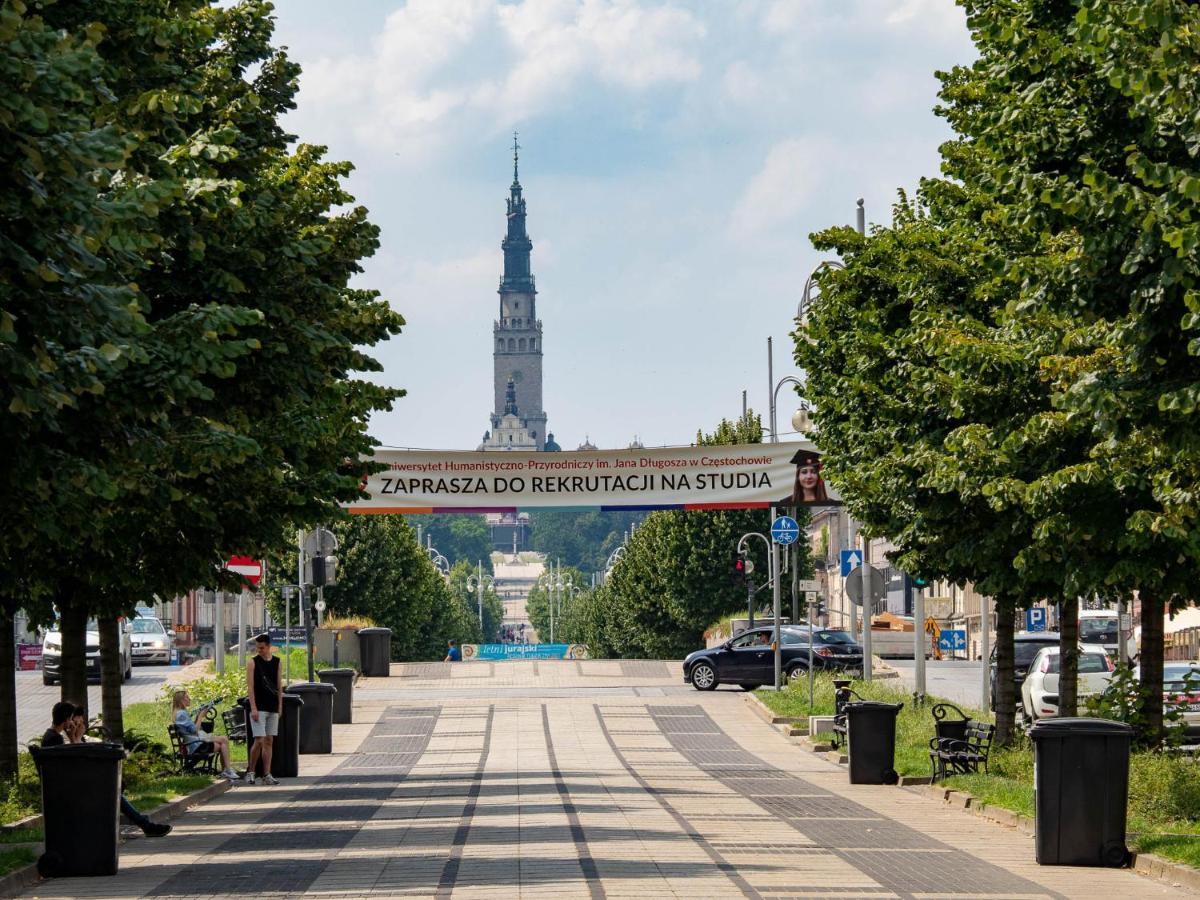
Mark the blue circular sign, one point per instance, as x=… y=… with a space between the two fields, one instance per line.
x=785 y=530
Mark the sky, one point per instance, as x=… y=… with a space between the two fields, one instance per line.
x=675 y=159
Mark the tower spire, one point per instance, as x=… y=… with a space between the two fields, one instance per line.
x=516 y=147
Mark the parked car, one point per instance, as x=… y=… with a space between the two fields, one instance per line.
x=1103 y=627
x=1181 y=688
x=52 y=653
x=1039 y=692
x=749 y=661
x=1026 y=645
x=151 y=641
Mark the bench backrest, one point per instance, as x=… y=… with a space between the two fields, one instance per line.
x=979 y=735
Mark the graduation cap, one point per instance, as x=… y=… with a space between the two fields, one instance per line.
x=807 y=458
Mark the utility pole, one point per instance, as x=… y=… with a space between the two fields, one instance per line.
x=219 y=633
x=985 y=650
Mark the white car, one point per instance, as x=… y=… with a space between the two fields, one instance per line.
x=52 y=653
x=151 y=640
x=1039 y=691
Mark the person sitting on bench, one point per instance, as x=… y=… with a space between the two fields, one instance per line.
x=194 y=737
x=68 y=724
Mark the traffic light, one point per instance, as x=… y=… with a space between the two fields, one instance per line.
x=739 y=569
x=819 y=610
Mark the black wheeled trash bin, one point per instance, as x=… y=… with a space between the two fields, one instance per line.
x=285 y=752
x=871 y=734
x=316 y=725
x=343 y=700
x=81 y=805
x=375 y=651
x=1081 y=789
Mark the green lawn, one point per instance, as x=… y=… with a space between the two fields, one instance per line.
x=17 y=858
x=1164 y=789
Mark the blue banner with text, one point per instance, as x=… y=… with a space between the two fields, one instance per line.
x=524 y=651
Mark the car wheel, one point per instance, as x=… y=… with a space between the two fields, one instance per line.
x=704 y=677
x=128 y=671
x=749 y=687
x=797 y=673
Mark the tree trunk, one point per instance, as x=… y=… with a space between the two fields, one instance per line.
x=1150 y=664
x=8 y=694
x=112 y=674
x=1006 y=692
x=73 y=631
x=1068 y=657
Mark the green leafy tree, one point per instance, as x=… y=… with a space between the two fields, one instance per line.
x=1079 y=120
x=458 y=537
x=463 y=572
x=537 y=606
x=582 y=540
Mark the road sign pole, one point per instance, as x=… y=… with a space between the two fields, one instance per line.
x=985 y=650
x=241 y=629
x=287 y=632
x=219 y=633
x=919 y=639
x=811 y=609
x=777 y=603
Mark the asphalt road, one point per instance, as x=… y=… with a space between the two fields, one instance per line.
x=958 y=681
x=34 y=699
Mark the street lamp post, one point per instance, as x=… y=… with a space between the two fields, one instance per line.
x=479 y=583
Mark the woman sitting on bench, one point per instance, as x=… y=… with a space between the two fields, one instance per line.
x=195 y=737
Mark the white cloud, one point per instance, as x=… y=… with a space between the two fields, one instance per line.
x=438 y=64
x=783 y=186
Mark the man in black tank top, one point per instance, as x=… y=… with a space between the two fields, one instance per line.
x=264 y=688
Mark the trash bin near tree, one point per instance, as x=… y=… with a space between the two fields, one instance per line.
x=285 y=754
x=375 y=649
x=81 y=807
x=343 y=700
x=871 y=734
x=316 y=724
x=1081 y=791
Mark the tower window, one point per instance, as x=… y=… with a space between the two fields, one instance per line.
x=521 y=344
x=512 y=345
x=517 y=305
x=500 y=344
x=533 y=343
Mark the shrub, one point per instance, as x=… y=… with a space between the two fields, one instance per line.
x=1164 y=786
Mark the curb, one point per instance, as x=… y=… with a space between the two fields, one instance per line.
x=1145 y=864
x=15 y=882
x=790 y=727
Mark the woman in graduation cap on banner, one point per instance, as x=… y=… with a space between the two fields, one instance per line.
x=809 y=487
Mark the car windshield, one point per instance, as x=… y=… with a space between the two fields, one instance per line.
x=1025 y=651
x=147 y=626
x=1098 y=631
x=1089 y=663
x=1174 y=678
x=833 y=637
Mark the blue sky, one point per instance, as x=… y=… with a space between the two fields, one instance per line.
x=675 y=158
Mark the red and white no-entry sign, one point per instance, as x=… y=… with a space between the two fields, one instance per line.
x=250 y=569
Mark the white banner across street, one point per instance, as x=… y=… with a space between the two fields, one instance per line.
x=741 y=476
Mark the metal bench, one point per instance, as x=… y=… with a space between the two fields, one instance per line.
x=235 y=723
x=201 y=761
x=961 y=745
x=841 y=696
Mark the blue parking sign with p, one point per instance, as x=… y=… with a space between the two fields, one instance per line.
x=1035 y=619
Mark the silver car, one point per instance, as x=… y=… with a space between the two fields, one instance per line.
x=151 y=641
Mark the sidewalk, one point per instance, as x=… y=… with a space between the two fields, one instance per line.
x=625 y=788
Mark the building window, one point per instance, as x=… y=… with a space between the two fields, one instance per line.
x=533 y=343
x=522 y=345
x=517 y=305
x=512 y=345
x=500 y=344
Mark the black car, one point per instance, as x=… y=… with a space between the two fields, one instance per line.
x=748 y=660
x=1026 y=645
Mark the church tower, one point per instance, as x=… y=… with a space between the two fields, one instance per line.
x=517 y=351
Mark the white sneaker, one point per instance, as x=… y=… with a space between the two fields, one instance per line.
x=269 y=779
x=231 y=775
x=250 y=777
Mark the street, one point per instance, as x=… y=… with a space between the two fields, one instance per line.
x=34 y=699
x=582 y=779
x=956 y=680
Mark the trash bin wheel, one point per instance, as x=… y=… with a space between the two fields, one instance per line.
x=891 y=776
x=1115 y=855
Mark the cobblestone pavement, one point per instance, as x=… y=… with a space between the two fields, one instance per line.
x=577 y=780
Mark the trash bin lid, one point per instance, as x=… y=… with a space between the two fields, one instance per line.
x=87 y=750
x=1075 y=726
x=336 y=673
x=290 y=698
x=864 y=705
x=311 y=687
x=374 y=631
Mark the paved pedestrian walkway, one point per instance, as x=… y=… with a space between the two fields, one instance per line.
x=609 y=791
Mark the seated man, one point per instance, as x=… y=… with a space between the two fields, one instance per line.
x=68 y=724
x=195 y=737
